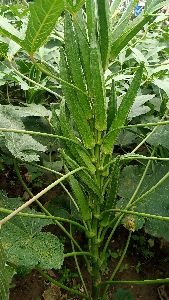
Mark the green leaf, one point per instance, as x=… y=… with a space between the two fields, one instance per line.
x=123 y=111
x=155 y=5
x=10 y=31
x=160 y=137
x=123 y=294
x=123 y=21
x=128 y=33
x=24 y=243
x=156 y=203
x=6 y=274
x=163 y=84
x=138 y=107
x=42 y=20
x=115 y=5
x=20 y=146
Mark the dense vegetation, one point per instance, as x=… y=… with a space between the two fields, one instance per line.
x=84 y=97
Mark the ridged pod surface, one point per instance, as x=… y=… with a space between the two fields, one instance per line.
x=123 y=112
x=74 y=106
x=74 y=63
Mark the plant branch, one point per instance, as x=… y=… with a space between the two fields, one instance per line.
x=145 y=215
x=44 y=191
x=36 y=83
x=36 y=133
x=146 y=125
x=48 y=73
x=41 y=216
x=57 y=283
x=142 y=157
x=77 y=253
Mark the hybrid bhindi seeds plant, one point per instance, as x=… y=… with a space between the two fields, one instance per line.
x=84 y=122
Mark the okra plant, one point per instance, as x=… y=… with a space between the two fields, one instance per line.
x=84 y=122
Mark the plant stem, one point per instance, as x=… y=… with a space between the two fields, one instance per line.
x=77 y=253
x=57 y=283
x=77 y=266
x=119 y=263
x=142 y=157
x=144 y=282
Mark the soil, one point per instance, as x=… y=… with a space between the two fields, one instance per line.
x=138 y=264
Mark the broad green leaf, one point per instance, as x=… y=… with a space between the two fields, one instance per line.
x=21 y=146
x=155 y=5
x=138 y=55
x=104 y=30
x=163 y=84
x=6 y=274
x=138 y=107
x=163 y=67
x=25 y=245
x=123 y=111
x=123 y=294
x=156 y=203
x=42 y=20
x=10 y=31
x=160 y=137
